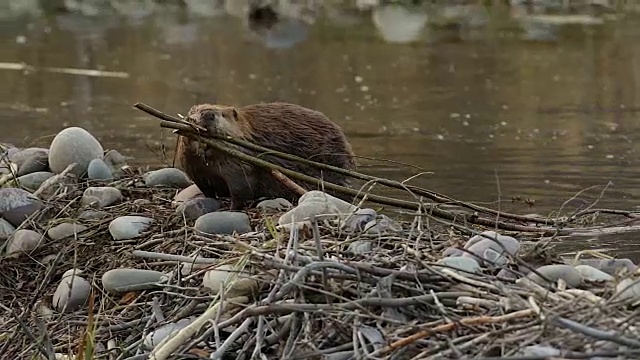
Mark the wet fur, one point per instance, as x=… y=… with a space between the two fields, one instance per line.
x=279 y=126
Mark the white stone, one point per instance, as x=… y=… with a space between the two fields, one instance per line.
x=128 y=227
x=461 y=263
x=236 y=283
x=72 y=292
x=591 y=273
x=101 y=195
x=73 y=145
x=189 y=193
x=358 y=220
x=628 y=290
x=489 y=252
x=300 y=214
x=382 y=224
x=555 y=272
x=319 y=196
x=360 y=247
x=156 y=336
x=277 y=204
x=64 y=230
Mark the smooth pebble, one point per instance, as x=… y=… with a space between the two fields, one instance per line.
x=23 y=240
x=452 y=251
x=300 y=214
x=186 y=194
x=34 y=180
x=462 y=263
x=242 y=283
x=489 y=252
x=19 y=157
x=555 y=272
x=38 y=161
x=195 y=208
x=99 y=170
x=6 y=229
x=610 y=266
x=72 y=292
x=591 y=273
x=382 y=225
x=16 y=205
x=73 y=145
x=277 y=204
x=320 y=196
x=64 y=230
x=360 y=247
x=93 y=215
x=128 y=227
x=125 y=280
x=223 y=222
x=358 y=220
x=156 y=336
x=169 y=177
x=101 y=196
x=628 y=290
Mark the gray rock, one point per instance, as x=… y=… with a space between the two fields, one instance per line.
x=382 y=225
x=320 y=196
x=591 y=273
x=462 y=263
x=34 y=180
x=99 y=170
x=156 y=336
x=38 y=161
x=93 y=215
x=628 y=290
x=555 y=272
x=236 y=283
x=301 y=214
x=24 y=240
x=169 y=177
x=488 y=251
x=358 y=220
x=506 y=274
x=65 y=230
x=72 y=292
x=538 y=350
x=114 y=160
x=128 y=227
x=20 y=156
x=223 y=222
x=191 y=192
x=102 y=195
x=610 y=266
x=125 y=280
x=452 y=251
x=6 y=229
x=73 y=145
x=16 y=205
x=360 y=247
x=195 y=208
x=278 y=204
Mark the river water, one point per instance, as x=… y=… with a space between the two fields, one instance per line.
x=490 y=102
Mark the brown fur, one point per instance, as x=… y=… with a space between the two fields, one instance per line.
x=283 y=127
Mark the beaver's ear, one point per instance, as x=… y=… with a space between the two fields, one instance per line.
x=234 y=112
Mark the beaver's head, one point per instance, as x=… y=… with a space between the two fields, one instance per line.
x=220 y=120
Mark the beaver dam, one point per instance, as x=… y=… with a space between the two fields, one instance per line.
x=102 y=260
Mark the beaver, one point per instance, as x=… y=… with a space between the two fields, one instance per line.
x=279 y=126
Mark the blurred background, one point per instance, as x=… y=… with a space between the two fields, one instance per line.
x=527 y=102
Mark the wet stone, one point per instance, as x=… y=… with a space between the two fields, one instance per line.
x=628 y=290
x=73 y=145
x=34 y=180
x=19 y=157
x=72 y=292
x=23 y=241
x=195 y=208
x=101 y=196
x=169 y=177
x=129 y=227
x=125 y=280
x=99 y=170
x=65 y=230
x=236 y=283
x=223 y=222
x=156 y=336
x=114 y=160
x=16 y=205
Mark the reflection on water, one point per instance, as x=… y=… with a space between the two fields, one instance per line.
x=495 y=101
